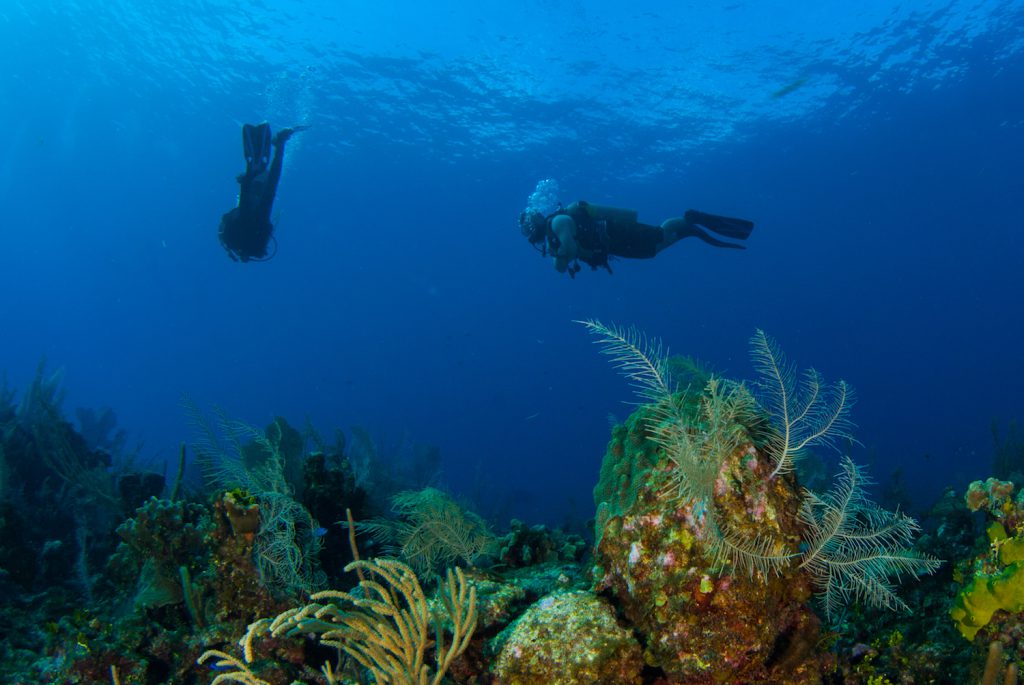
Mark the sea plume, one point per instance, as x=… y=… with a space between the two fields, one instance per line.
x=854 y=547
x=805 y=413
x=644 y=363
x=431 y=531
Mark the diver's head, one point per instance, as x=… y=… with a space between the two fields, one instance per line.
x=533 y=226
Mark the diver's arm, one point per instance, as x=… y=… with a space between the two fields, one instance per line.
x=564 y=229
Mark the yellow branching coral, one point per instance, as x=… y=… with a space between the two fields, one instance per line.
x=240 y=674
x=385 y=626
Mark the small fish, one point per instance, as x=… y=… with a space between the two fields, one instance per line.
x=320 y=532
x=789 y=88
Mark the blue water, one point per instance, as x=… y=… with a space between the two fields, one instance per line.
x=877 y=146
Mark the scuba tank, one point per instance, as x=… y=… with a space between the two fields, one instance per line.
x=615 y=215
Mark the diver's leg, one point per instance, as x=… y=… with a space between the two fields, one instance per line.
x=633 y=239
x=273 y=175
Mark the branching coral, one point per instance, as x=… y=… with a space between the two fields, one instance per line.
x=385 y=626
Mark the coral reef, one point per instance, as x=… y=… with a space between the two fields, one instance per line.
x=329 y=493
x=704 y=538
x=161 y=542
x=989 y=604
x=698 y=623
x=526 y=545
x=238 y=458
x=993 y=496
x=710 y=562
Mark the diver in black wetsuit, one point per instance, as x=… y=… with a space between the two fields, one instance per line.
x=588 y=233
x=246 y=231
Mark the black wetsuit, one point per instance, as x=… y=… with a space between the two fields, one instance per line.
x=246 y=231
x=605 y=231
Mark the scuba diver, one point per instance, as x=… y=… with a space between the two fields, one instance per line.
x=588 y=233
x=246 y=231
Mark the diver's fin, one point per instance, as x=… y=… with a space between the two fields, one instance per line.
x=692 y=231
x=723 y=225
x=256 y=141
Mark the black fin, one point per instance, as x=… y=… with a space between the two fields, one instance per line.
x=256 y=141
x=723 y=225
x=698 y=232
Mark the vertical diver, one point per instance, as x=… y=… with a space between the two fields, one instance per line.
x=246 y=231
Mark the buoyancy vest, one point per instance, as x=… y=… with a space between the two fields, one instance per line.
x=591 y=234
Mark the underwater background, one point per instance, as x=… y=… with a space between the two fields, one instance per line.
x=877 y=146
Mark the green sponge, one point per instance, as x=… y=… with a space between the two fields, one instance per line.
x=974 y=606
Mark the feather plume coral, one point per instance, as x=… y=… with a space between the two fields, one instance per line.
x=805 y=414
x=643 y=361
x=640 y=359
x=431 y=531
x=854 y=546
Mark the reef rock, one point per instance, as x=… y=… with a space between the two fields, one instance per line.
x=568 y=638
